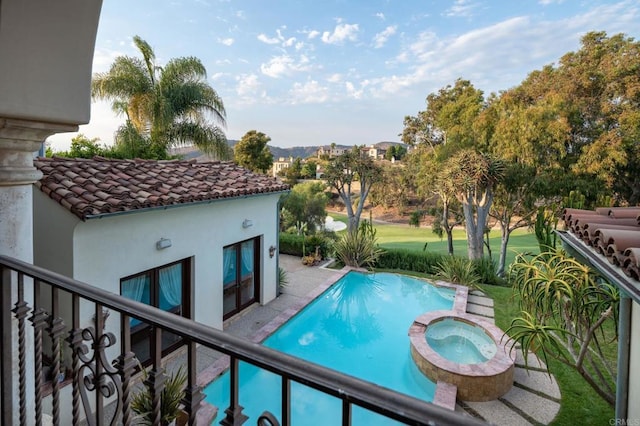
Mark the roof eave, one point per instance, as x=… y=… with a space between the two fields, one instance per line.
x=171 y=206
x=611 y=272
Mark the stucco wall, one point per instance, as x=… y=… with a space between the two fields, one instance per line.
x=105 y=250
x=53 y=227
x=634 y=367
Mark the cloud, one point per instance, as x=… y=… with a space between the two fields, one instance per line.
x=341 y=33
x=263 y=38
x=278 y=39
x=310 y=92
x=313 y=34
x=548 y=2
x=379 y=15
x=381 y=38
x=247 y=84
x=461 y=8
x=519 y=45
x=334 y=78
x=285 y=65
x=226 y=41
x=354 y=93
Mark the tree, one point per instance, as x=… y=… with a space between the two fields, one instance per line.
x=253 y=153
x=164 y=106
x=83 y=147
x=513 y=204
x=309 y=169
x=473 y=177
x=569 y=314
x=292 y=173
x=306 y=202
x=346 y=169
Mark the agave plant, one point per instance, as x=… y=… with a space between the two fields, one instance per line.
x=170 y=399
x=458 y=270
x=359 y=247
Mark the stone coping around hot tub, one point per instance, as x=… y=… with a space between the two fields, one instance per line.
x=483 y=381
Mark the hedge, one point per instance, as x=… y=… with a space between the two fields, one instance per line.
x=293 y=244
x=409 y=260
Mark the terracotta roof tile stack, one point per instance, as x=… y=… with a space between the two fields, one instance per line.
x=99 y=186
x=613 y=232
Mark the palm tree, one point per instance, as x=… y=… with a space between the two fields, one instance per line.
x=165 y=106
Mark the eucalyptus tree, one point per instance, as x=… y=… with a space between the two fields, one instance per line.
x=343 y=172
x=165 y=106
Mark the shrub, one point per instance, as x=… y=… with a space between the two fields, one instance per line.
x=458 y=270
x=302 y=245
x=486 y=269
x=409 y=260
x=358 y=248
x=170 y=399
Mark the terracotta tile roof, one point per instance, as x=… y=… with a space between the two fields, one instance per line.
x=99 y=186
x=613 y=233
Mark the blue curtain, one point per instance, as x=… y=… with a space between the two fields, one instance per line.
x=229 y=260
x=247 y=258
x=137 y=288
x=171 y=287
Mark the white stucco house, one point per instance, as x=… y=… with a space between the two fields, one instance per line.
x=196 y=239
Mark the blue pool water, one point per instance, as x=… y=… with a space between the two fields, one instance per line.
x=359 y=327
x=460 y=342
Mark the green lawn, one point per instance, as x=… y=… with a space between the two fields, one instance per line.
x=409 y=237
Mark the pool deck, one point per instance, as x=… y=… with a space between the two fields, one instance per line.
x=534 y=398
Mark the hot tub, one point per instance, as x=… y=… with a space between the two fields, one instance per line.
x=463 y=350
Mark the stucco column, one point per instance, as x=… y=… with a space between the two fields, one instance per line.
x=19 y=140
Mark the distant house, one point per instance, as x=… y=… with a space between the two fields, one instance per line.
x=374 y=152
x=332 y=151
x=196 y=239
x=609 y=240
x=280 y=165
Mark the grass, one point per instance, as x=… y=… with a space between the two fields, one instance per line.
x=402 y=236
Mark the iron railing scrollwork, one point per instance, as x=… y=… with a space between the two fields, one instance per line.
x=96 y=380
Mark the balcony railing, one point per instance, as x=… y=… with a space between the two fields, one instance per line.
x=34 y=302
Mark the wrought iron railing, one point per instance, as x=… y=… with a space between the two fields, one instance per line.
x=32 y=323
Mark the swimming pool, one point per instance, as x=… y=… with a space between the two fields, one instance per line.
x=358 y=327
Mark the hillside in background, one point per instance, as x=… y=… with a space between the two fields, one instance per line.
x=295 y=152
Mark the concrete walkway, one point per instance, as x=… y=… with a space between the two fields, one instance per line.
x=534 y=398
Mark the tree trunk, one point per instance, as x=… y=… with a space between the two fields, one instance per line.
x=445 y=224
x=506 y=232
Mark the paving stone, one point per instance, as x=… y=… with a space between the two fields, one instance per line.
x=480 y=310
x=537 y=380
x=491 y=320
x=498 y=413
x=532 y=360
x=479 y=300
x=540 y=409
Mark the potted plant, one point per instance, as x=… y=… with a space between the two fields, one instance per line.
x=170 y=400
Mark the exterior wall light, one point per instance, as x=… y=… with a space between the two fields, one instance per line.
x=247 y=223
x=272 y=251
x=163 y=243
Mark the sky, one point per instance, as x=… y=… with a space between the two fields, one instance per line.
x=311 y=72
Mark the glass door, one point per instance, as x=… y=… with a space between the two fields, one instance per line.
x=240 y=276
